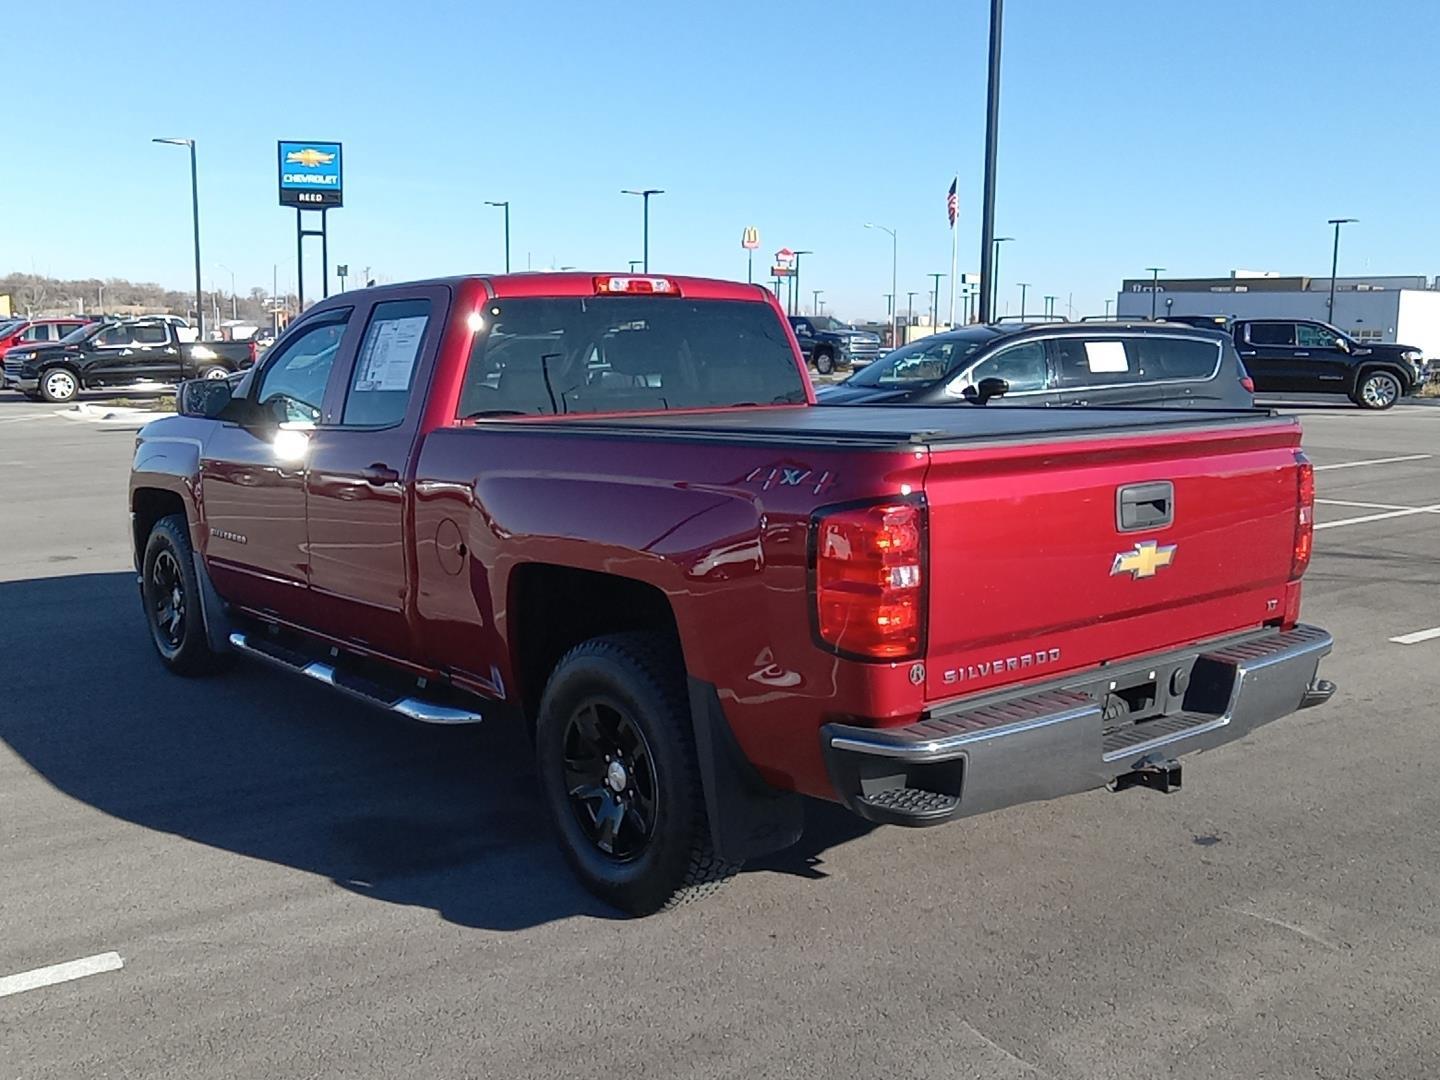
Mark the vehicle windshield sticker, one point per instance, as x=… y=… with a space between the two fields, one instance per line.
x=390 y=353
x=1106 y=356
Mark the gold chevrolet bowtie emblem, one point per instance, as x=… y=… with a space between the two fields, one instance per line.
x=308 y=157
x=1144 y=560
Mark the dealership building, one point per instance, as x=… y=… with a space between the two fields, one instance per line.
x=1401 y=310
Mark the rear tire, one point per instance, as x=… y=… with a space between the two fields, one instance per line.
x=617 y=763
x=824 y=362
x=59 y=385
x=170 y=591
x=215 y=371
x=1377 y=390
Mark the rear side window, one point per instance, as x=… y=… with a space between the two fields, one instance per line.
x=554 y=356
x=384 y=373
x=1174 y=358
x=151 y=335
x=1272 y=333
x=38 y=332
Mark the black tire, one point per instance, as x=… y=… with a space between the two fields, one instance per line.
x=604 y=685
x=214 y=371
x=824 y=361
x=59 y=385
x=170 y=593
x=1378 y=389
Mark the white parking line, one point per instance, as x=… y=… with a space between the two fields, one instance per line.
x=1418 y=636
x=1432 y=509
x=1360 y=505
x=59 y=973
x=1373 y=461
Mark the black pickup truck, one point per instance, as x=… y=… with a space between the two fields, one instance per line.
x=129 y=354
x=829 y=344
x=1302 y=356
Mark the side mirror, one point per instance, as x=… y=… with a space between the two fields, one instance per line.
x=990 y=387
x=1342 y=344
x=204 y=398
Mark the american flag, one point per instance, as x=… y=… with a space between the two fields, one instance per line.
x=952 y=202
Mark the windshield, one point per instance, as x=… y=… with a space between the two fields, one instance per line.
x=921 y=363
x=627 y=354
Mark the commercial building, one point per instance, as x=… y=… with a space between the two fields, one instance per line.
x=1399 y=310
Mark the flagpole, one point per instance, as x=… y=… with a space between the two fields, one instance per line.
x=954 y=250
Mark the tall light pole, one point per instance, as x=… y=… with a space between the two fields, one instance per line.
x=633 y=264
x=1155 y=272
x=100 y=306
x=195 y=208
x=987 y=305
x=1024 y=287
x=988 y=251
x=935 y=302
x=1335 y=265
x=1107 y=308
x=1050 y=307
x=894 y=263
x=234 y=300
x=645 y=194
x=506 y=204
x=795 y=282
x=910 y=317
x=815 y=301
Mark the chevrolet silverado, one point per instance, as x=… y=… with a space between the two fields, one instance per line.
x=606 y=507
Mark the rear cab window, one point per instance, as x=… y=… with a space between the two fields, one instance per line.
x=555 y=356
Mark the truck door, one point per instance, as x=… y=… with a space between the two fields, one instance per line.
x=360 y=558
x=1268 y=352
x=1320 y=363
x=153 y=355
x=252 y=478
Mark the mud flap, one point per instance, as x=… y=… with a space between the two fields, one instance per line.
x=748 y=817
x=212 y=609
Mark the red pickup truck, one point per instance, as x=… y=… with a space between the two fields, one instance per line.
x=607 y=507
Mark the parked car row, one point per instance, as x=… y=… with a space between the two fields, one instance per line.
x=1188 y=361
x=143 y=354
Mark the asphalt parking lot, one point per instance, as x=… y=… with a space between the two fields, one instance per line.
x=296 y=886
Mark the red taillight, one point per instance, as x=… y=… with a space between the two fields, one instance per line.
x=869 y=581
x=1304 y=517
x=635 y=286
x=254 y=351
x=1248 y=383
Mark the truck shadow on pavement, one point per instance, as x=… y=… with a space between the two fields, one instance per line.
x=266 y=766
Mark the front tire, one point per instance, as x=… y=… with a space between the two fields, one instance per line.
x=59 y=385
x=619 y=773
x=171 y=594
x=1378 y=390
x=824 y=362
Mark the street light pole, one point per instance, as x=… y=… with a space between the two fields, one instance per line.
x=935 y=302
x=815 y=301
x=1335 y=265
x=1050 y=306
x=1024 y=287
x=506 y=205
x=234 y=299
x=1107 y=308
x=195 y=210
x=894 y=263
x=988 y=251
x=1155 y=272
x=795 y=293
x=909 y=318
x=645 y=194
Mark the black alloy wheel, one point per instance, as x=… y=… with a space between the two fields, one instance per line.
x=610 y=778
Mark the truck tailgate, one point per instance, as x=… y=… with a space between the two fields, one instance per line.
x=1032 y=574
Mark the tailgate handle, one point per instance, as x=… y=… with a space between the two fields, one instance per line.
x=1144 y=506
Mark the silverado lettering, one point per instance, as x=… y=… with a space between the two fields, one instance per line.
x=543 y=508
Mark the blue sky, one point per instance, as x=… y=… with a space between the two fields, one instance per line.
x=1196 y=136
